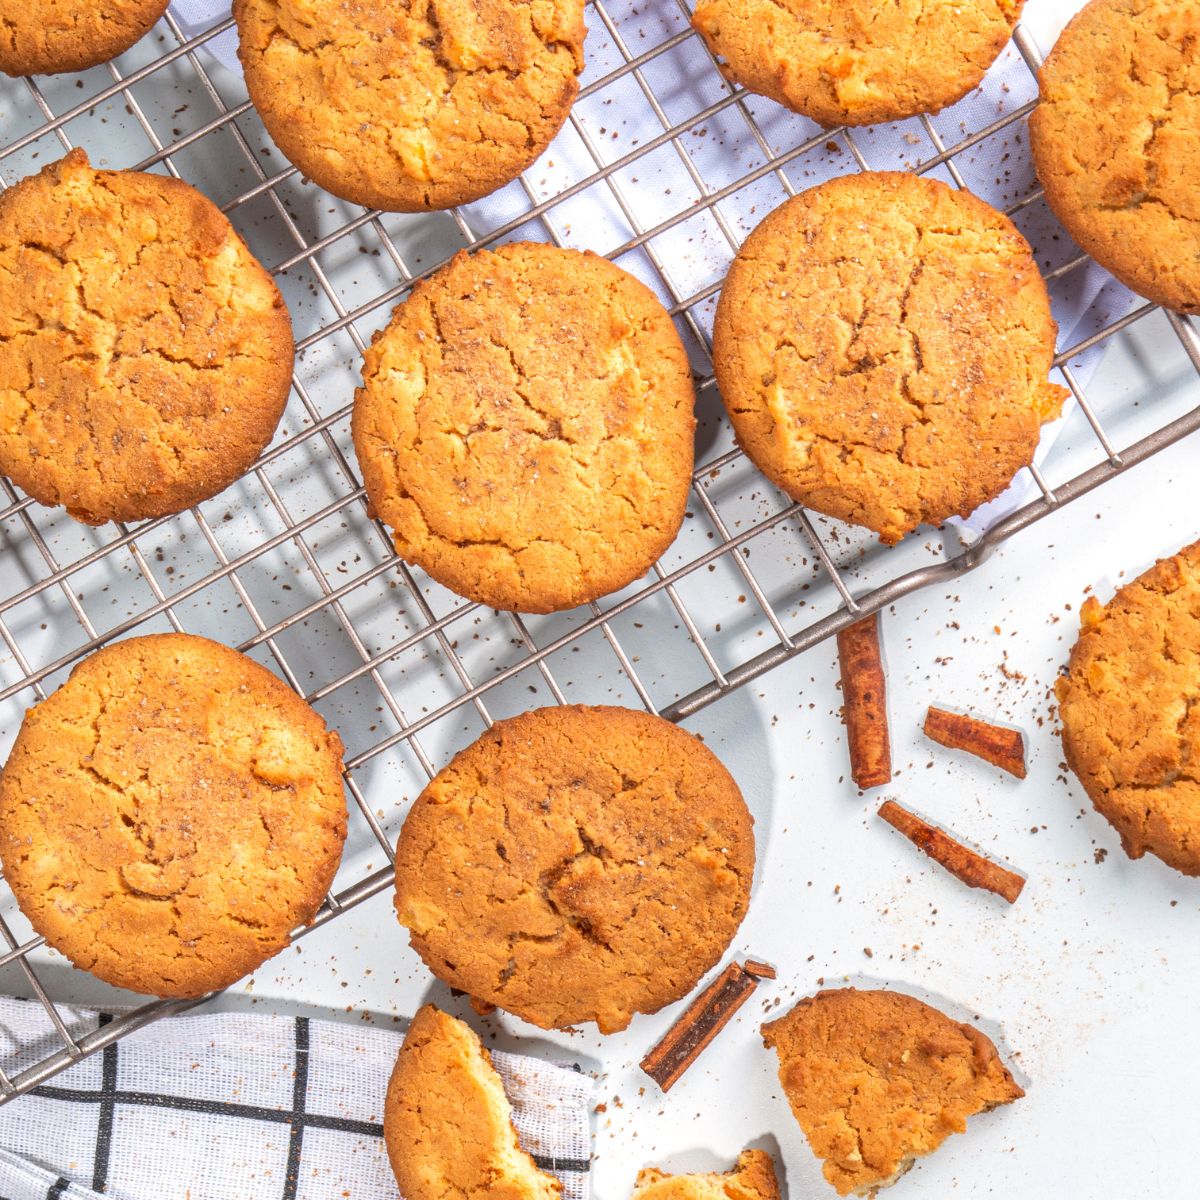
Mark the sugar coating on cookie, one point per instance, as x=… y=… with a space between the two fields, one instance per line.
x=46 y=37
x=170 y=814
x=576 y=864
x=145 y=355
x=447 y=1122
x=876 y=1079
x=882 y=345
x=1116 y=142
x=857 y=62
x=525 y=426
x=1130 y=710
x=752 y=1178
x=415 y=106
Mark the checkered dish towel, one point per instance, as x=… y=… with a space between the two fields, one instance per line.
x=234 y=1105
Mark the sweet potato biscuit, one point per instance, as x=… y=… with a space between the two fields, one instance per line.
x=525 y=427
x=882 y=344
x=857 y=62
x=145 y=355
x=170 y=814
x=1130 y=710
x=411 y=106
x=1116 y=142
x=753 y=1178
x=576 y=864
x=876 y=1079
x=46 y=37
x=447 y=1123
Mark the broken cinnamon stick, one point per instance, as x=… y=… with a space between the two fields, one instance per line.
x=973 y=869
x=1001 y=746
x=704 y=1018
x=864 y=696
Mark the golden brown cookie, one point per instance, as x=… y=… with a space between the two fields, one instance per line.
x=447 y=1123
x=1116 y=142
x=145 y=355
x=753 y=1178
x=1130 y=710
x=576 y=864
x=47 y=37
x=170 y=814
x=857 y=62
x=414 y=106
x=876 y=1079
x=525 y=427
x=882 y=344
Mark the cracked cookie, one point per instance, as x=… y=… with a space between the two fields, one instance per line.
x=447 y=1122
x=576 y=864
x=525 y=427
x=417 y=106
x=882 y=344
x=857 y=62
x=170 y=814
x=753 y=1178
x=876 y=1079
x=145 y=355
x=48 y=37
x=1116 y=142
x=1129 y=704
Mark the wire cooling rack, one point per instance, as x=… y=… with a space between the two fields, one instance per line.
x=288 y=566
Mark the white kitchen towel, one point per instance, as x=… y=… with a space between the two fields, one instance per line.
x=658 y=186
x=240 y=1106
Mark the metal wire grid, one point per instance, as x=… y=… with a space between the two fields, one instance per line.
x=728 y=545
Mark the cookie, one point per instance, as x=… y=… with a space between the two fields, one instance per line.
x=882 y=344
x=47 y=37
x=576 y=864
x=1116 y=142
x=447 y=1123
x=170 y=814
x=753 y=1178
x=525 y=427
x=857 y=62
x=1130 y=710
x=876 y=1079
x=415 y=106
x=145 y=355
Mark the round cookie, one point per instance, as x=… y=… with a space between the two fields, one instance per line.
x=882 y=344
x=1116 y=142
x=1130 y=710
x=48 y=37
x=857 y=62
x=416 y=106
x=576 y=864
x=525 y=426
x=170 y=814
x=145 y=355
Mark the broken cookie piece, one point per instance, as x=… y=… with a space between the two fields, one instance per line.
x=876 y=1079
x=448 y=1124
x=752 y=1178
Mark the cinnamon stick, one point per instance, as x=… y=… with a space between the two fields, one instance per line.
x=864 y=696
x=998 y=744
x=973 y=869
x=704 y=1018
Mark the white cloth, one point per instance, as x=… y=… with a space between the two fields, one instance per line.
x=696 y=253
x=233 y=1106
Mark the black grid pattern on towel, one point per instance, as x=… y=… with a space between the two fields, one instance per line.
x=105 y=1103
